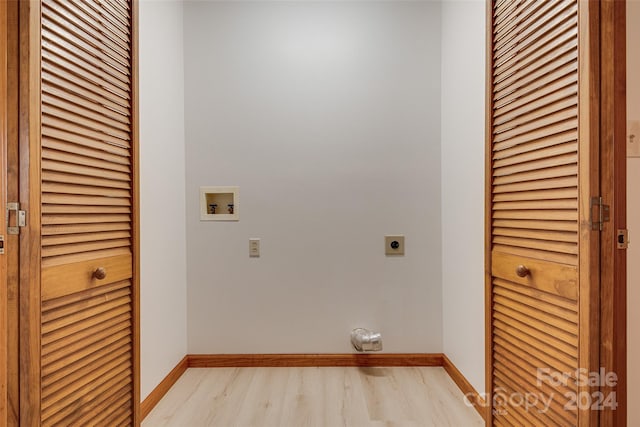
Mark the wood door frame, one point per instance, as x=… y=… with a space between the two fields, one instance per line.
x=30 y=30
x=605 y=292
x=4 y=137
x=613 y=284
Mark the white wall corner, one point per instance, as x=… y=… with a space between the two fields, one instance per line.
x=163 y=260
x=462 y=127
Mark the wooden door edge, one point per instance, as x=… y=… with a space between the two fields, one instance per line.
x=29 y=149
x=589 y=184
x=135 y=147
x=487 y=214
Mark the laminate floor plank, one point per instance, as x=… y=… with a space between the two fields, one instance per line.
x=314 y=397
x=263 y=403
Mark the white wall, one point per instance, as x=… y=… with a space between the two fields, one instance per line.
x=162 y=191
x=463 y=154
x=327 y=116
x=633 y=218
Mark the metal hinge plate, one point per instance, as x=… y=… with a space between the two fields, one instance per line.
x=599 y=213
x=21 y=218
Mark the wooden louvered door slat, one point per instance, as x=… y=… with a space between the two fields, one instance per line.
x=540 y=177
x=86 y=156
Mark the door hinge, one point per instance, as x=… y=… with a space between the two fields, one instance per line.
x=599 y=213
x=21 y=218
x=622 y=239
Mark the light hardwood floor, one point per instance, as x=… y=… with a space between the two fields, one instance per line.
x=322 y=397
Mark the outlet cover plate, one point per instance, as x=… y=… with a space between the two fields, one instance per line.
x=394 y=245
x=254 y=248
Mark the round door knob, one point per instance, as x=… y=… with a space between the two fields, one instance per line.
x=522 y=271
x=100 y=273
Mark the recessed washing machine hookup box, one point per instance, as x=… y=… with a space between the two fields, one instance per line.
x=219 y=204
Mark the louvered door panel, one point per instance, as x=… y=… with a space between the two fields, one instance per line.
x=86 y=162
x=87 y=207
x=535 y=209
x=86 y=353
x=536 y=147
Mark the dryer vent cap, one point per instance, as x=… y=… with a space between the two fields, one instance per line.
x=366 y=340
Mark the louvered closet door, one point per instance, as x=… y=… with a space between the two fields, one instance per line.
x=87 y=353
x=540 y=235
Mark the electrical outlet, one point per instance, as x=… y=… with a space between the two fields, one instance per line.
x=254 y=248
x=394 y=245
